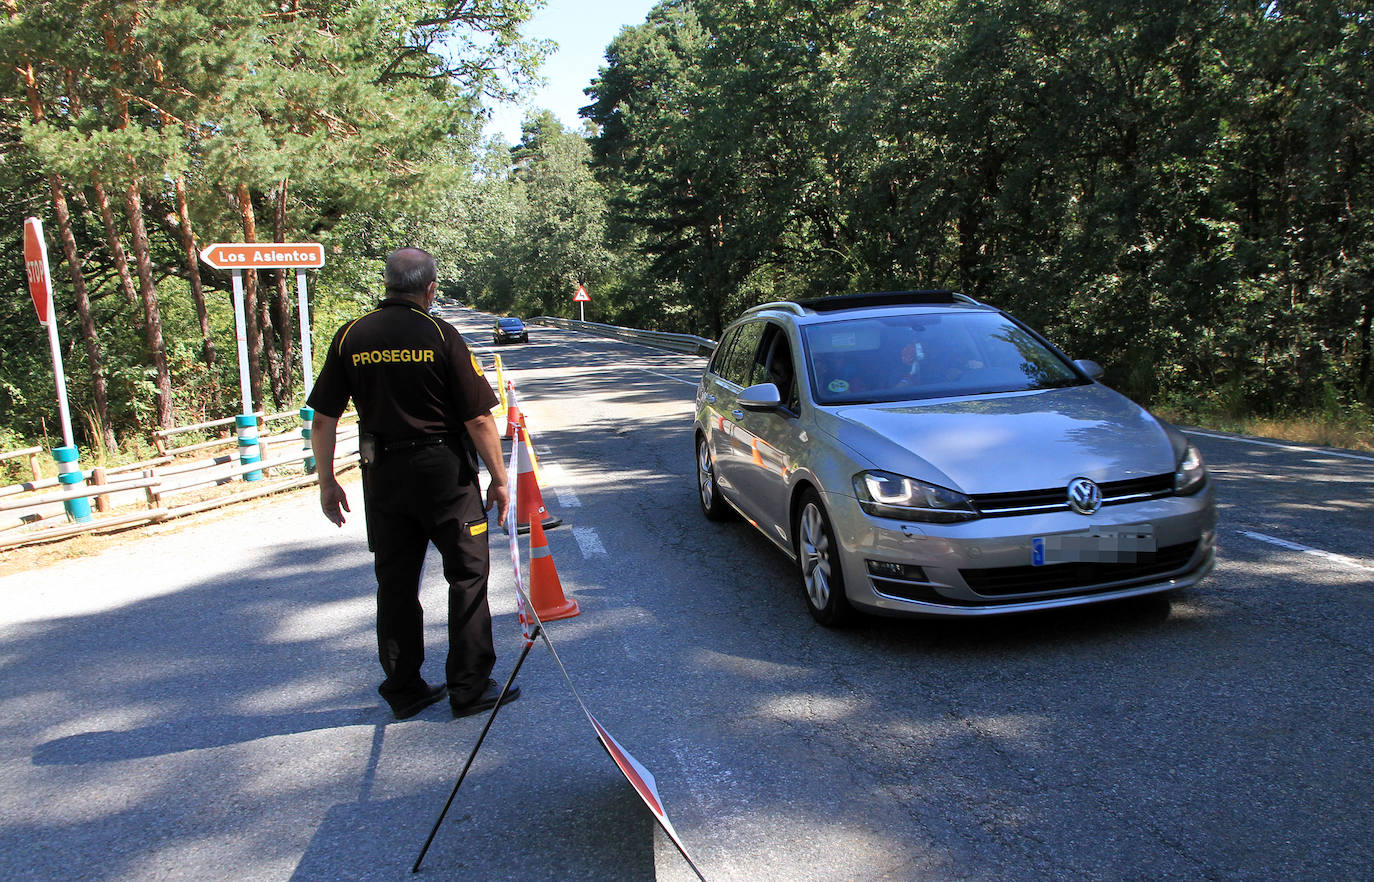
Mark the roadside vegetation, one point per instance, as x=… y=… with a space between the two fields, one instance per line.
x=1181 y=191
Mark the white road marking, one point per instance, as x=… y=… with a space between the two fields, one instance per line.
x=1340 y=559
x=1315 y=450
x=588 y=541
x=567 y=497
x=666 y=377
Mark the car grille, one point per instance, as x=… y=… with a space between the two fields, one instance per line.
x=1003 y=581
x=1001 y=505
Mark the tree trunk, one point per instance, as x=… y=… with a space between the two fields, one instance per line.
x=1366 y=353
x=285 y=327
x=79 y=293
x=121 y=260
x=250 y=299
x=188 y=242
x=83 y=311
x=133 y=205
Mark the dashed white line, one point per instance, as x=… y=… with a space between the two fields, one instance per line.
x=588 y=541
x=1340 y=559
x=567 y=497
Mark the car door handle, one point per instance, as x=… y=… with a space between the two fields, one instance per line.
x=737 y=414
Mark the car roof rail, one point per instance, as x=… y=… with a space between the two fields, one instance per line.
x=785 y=305
x=929 y=296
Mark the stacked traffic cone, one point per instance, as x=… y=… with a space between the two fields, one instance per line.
x=513 y=417
x=529 y=503
x=529 y=448
x=546 y=592
x=500 y=382
x=499 y=410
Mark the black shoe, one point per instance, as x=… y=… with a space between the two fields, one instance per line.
x=409 y=704
x=486 y=701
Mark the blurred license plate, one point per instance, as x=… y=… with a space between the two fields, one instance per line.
x=1129 y=543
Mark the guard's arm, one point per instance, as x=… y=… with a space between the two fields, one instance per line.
x=323 y=436
x=487 y=439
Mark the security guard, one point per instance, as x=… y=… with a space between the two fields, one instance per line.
x=425 y=417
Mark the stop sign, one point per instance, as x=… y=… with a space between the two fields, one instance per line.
x=36 y=268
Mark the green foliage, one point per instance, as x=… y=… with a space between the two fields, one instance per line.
x=345 y=116
x=1178 y=190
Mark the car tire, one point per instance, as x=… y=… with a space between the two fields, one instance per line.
x=822 y=577
x=708 y=494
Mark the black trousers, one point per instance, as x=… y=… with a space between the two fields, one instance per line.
x=415 y=497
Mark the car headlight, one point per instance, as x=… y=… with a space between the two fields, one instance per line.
x=885 y=495
x=1191 y=473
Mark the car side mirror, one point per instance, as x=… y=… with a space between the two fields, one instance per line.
x=764 y=396
x=1089 y=367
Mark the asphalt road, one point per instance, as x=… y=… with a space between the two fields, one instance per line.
x=199 y=702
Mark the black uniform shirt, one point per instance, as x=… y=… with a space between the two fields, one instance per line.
x=409 y=374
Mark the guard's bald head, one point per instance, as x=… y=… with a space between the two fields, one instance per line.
x=409 y=272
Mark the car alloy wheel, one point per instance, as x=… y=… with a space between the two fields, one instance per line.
x=712 y=505
x=818 y=556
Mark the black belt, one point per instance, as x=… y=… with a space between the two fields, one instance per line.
x=413 y=443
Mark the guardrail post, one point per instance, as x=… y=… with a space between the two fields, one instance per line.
x=151 y=491
x=307 y=416
x=247 y=426
x=70 y=474
x=102 y=502
x=33 y=466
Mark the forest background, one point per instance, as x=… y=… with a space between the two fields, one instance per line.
x=1179 y=189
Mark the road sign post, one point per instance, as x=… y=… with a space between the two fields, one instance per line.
x=307 y=368
x=40 y=289
x=237 y=257
x=581 y=298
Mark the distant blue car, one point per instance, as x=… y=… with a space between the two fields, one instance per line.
x=510 y=330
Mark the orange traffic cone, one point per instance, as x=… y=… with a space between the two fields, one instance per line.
x=546 y=592
x=529 y=502
x=529 y=446
x=513 y=417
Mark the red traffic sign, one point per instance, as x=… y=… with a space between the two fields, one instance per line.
x=581 y=295
x=263 y=255
x=36 y=268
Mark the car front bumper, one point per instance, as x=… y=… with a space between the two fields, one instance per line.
x=987 y=566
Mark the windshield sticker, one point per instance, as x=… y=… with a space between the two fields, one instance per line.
x=838 y=386
x=843 y=341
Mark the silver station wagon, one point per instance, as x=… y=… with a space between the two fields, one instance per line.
x=921 y=453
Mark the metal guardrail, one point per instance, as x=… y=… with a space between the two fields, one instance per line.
x=677 y=342
x=154 y=482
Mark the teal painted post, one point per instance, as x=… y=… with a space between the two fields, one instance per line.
x=70 y=475
x=307 y=415
x=247 y=426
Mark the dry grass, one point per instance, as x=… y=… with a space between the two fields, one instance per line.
x=1350 y=434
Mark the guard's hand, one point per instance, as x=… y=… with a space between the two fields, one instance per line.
x=498 y=494
x=333 y=502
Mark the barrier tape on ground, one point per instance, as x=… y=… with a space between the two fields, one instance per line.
x=635 y=772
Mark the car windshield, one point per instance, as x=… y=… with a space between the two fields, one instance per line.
x=917 y=356
x=511 y=324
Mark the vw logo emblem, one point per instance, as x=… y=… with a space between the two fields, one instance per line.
x=1085 y=497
